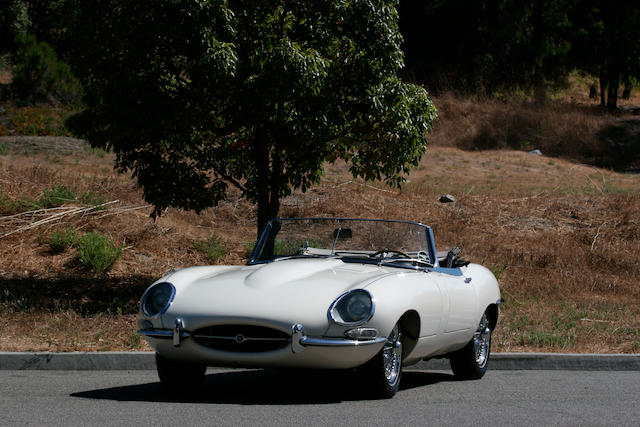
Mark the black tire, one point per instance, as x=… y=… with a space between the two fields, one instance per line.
x=383 y=373
x=470 y=362
x=179 y=376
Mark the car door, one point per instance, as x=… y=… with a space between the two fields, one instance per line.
x=461 y=296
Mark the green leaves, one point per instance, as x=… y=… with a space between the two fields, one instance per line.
x=194 y=96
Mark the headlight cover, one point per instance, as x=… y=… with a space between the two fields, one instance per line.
x=352 y=308
x=157 y=299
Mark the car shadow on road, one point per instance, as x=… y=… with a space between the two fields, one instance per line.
x=262 y=387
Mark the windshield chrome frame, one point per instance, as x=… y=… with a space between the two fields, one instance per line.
x=431 y=246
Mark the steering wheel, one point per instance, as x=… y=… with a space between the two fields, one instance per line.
x=384 y=251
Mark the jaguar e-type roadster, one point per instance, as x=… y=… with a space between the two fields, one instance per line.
x=370 y=296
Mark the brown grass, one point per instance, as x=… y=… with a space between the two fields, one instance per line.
x=580 y=132
x=563 y=238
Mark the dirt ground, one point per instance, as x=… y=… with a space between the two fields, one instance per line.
x=562 y=238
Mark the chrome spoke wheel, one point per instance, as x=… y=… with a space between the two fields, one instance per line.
x=392 y=356
x=482 y=342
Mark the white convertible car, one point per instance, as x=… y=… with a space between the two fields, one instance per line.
x=327 y=293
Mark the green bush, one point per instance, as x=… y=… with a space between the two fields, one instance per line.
x=91 y=198
x=60 y=241
x=11 y=206
x=97 y=252
x=56 y=196
x=39 y=75
x=213 y=247
x=4 y=148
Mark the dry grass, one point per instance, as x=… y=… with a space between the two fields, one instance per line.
x=563 y=238
x=580 y=132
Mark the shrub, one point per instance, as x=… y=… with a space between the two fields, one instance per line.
x=40 y=120
x=56 y=196
x=91 y=198
x=10 y=206
x=60 y=241
x=38 y=74
x=97 y=252
x=213 y=247
x=4 y=131
x=4 y=149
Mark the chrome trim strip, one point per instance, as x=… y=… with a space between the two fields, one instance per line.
x=339 y=342
x=457 y=272
x=234 y=338
x=156 y=333
x=161 y=333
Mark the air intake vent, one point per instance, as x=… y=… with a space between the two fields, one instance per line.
x=241 y=338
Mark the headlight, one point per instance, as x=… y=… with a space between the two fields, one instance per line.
x=157 y=299
x=352 y=308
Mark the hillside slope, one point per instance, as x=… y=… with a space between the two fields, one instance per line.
x=562 y=238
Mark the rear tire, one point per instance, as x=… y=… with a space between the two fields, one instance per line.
x=179 y=376
x=383 y=373
x=470 y=362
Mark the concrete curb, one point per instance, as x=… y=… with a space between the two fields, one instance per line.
x=551 y=361
x=107 y=361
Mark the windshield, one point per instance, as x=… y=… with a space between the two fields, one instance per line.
x=350 y=239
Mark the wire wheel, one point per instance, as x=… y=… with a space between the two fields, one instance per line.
x=482 y=342
x=392 y=356
x=470 y=362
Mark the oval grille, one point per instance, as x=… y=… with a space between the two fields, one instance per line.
x=241 y=338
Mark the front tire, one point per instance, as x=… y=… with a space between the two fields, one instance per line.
x=179 y=376
x=384 y=371
x=470 y=362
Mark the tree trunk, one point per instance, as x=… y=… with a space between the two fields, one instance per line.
x=612 y=95
x=613 y=80
x=540 y=90
x=266 y=211
x=267 y=182
x=603 y=85
x=611 y=31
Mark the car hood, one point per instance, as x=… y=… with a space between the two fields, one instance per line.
x=282 y=292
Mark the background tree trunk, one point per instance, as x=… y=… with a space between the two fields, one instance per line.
x=540 y=91
x=603 y=85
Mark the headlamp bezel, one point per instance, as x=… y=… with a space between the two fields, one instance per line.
x=336 y=317
x=144 y=304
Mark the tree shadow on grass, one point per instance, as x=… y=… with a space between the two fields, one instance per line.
x=262 y=387
x=84 y=295
x=623 y=146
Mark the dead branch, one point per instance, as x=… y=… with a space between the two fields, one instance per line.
x=593 y=243
x=50 y=215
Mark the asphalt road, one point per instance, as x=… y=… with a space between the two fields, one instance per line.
x=256 y=397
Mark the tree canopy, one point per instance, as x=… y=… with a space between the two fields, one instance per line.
x=489 y=46
x=195 y=96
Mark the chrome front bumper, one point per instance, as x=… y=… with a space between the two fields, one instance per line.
x=298 y=338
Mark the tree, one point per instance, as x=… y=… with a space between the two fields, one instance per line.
x=38 y=74
x=14 y=21
x=486 y=45
x=194 y=96
x=607 y=43
x=621 y=40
